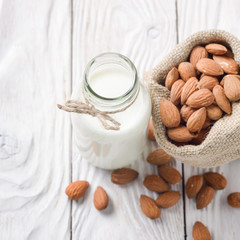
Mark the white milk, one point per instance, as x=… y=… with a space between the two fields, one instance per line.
x=110 y=81
x=110 y=148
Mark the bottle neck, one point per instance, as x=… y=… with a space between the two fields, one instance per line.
x=103 y=82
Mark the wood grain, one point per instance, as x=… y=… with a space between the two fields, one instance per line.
x=145 y=32
x=221 y=219
x=35 y=137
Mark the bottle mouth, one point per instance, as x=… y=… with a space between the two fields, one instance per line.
x=105 y=59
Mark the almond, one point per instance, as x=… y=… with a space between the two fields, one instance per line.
x=123 y=176
x=200 y=137
x=204 y=197
x=151 y=135
x=159 y=157
x=197 y=53
x=229 y=53
x=227 y=64
x=214 y=112
x=100 y=199
x=207 y=123
x=180 y=134
x=155 y=183
x=172 y=77
x=76 y=190
x=190 y=87
x=186 y=70
x=209 y=67
x=193 y=185
x=200 y=232
x=215 y=180
x=168 y=199
x=149 y=207
x=221 y=99
x=169 y=114
x=232 y=88
x=170 y=174
x=200 y=98
x=176 y=91
x=216 y=49
x=196 y=120
x=186 y=112
x=234 y=200
x=208 y=82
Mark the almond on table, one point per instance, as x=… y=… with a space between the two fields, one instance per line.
x=170 y=174
x=76 y=190
x=151 y=135
x=159 y=157
x=204 y=197
x=193 y=186
x=149 y=207
x=100 y=199
x=123 y=176
x=200 y=232
x=215 y=180
x=156 y=184
x=234 y=200
x=168 y=199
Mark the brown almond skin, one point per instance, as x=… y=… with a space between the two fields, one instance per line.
x=76 y=190
x=207 y=123
x=123 y=176
x=209 y=67
x=151 y=135
x=229 y=54
x=172 y=77
x=200 y=98
x=170 y=174
x=232 y=87
x=215 y=180
x=169 y=114
x=227 y=64
x=168 y=199
x=156 y=184
x=149 y=207
x=190 y=87
x=234 y=200
x=196 y=120
x=200 y=137
x=214 y=112
x=197 y=53
x=100 y=199
x=193 y=186
x=200 y=232
x=186 y=71
x=180 y=134
x=186 y=112
x=176 y=91
x=221 y=99
x=159 y=157
x=216 y=49
x=208 y=82
x=204 y=197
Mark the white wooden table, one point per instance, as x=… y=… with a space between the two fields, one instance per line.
x=44 y=48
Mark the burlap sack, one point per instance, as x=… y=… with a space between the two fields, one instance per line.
x=222 y=144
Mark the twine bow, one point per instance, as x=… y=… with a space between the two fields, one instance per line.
x=86 y=107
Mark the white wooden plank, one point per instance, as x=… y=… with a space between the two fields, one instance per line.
x=145 y=32
x=35 y=137
x=222 y=220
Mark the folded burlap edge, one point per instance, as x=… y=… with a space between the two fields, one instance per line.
x=222 y=144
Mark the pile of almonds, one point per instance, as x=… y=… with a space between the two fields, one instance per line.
x=160 y=184
x=201 y=92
